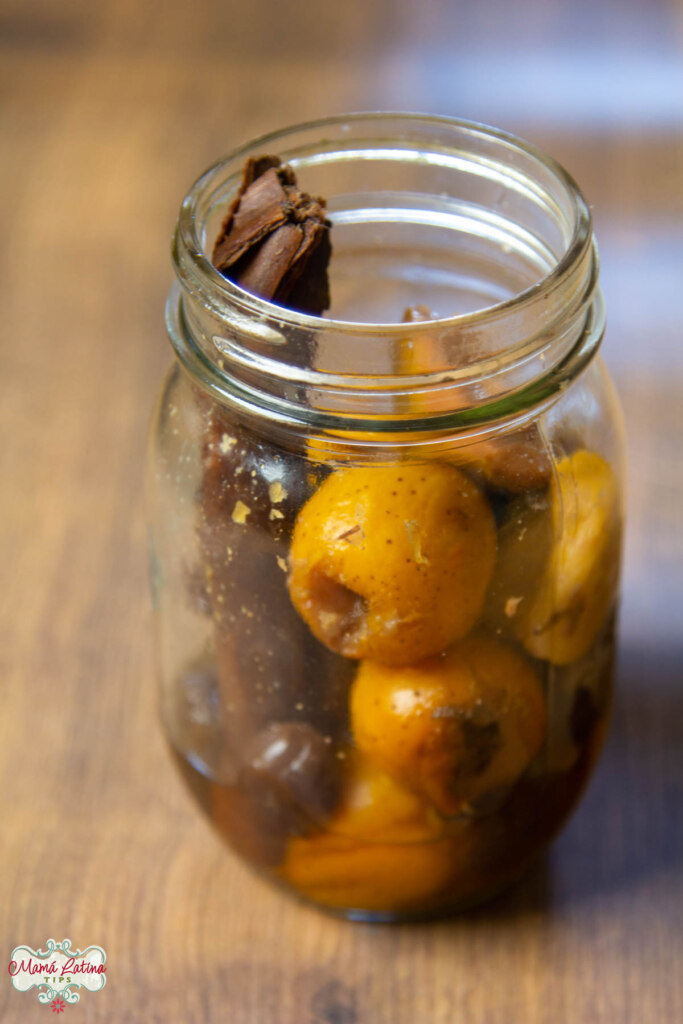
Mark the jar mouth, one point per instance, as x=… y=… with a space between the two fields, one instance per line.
x=189 y=231
x=466 y=192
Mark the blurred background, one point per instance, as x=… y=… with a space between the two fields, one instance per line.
x=108 y=112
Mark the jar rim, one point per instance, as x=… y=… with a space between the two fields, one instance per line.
x=188 y=250
x=491 y=362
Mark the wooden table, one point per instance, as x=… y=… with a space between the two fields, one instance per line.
x=107 y=112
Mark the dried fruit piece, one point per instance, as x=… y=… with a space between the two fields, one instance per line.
x=392 y=564
x=240 y=469
x=268 y=664
x=579 y=584
x=525 y=537
x=456 y=728
x=292 y=777
x=269 y=667
x=515 y=463
x=578 y=700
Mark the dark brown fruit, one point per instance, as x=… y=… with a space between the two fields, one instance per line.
x=249 y=482
x=292 y=777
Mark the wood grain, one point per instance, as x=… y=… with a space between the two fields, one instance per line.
x=107 y=112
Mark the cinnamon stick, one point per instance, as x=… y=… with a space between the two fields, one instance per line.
x=275 y=240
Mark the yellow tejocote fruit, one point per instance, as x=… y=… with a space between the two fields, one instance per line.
x=384 y=849
x=392 y=563
x=456 y=729
x=579 y=584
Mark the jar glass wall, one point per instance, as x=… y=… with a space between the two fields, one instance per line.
x=385 y=554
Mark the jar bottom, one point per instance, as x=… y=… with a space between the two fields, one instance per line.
x=510 y=841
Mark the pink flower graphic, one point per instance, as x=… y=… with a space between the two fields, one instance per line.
x=58 y=1005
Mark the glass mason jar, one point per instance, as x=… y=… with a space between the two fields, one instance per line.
x=385 y=554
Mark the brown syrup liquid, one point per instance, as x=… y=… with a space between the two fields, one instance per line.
x=501 y=843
